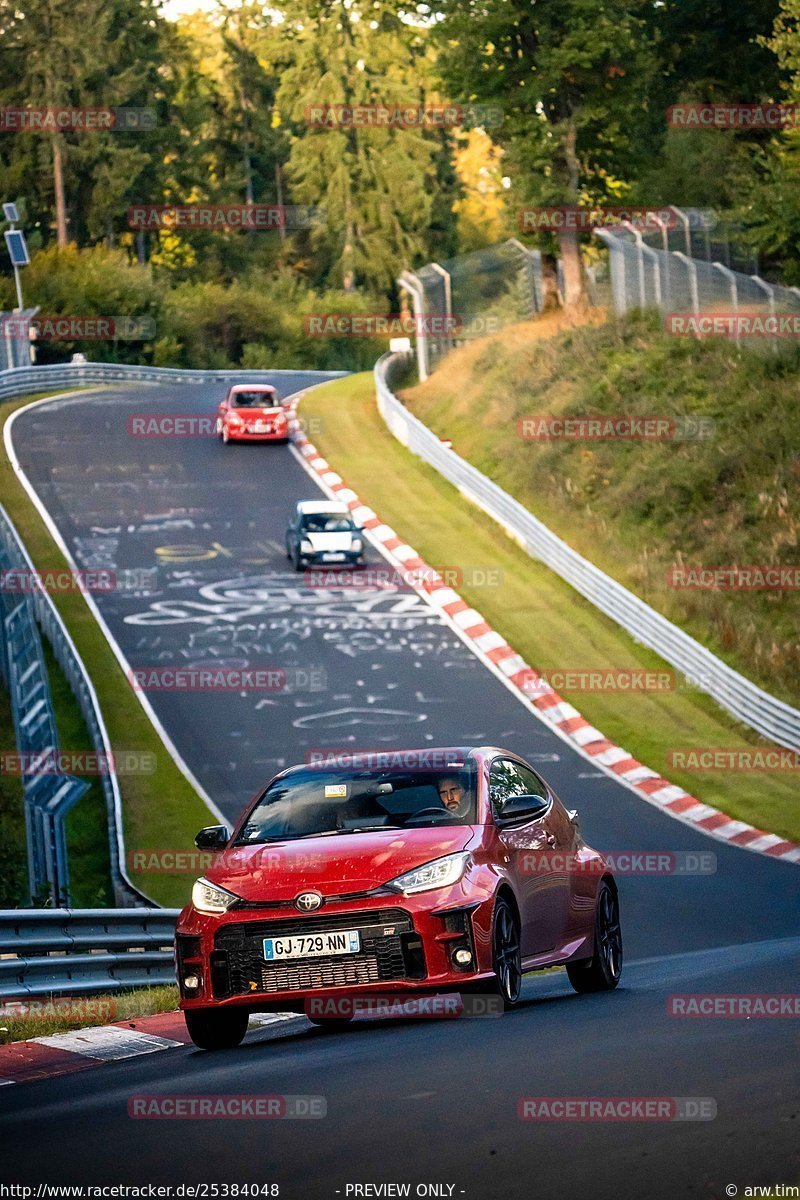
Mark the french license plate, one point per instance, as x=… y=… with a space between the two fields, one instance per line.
x=312 y=945
x=332 y=557
x=262 y=427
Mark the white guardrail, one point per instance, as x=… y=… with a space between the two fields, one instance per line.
x=23 y=381
x=770 y=717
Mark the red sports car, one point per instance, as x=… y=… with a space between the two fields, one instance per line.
x=400 y=873
x=252 y=412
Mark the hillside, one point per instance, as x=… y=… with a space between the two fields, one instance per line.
x=639 y=509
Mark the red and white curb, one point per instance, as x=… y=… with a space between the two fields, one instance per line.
x=82 y=1049
x=493 y=649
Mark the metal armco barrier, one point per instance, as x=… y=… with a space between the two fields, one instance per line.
x=22 y=381
x=770 y=717
x=48 y=797
x=83 y=951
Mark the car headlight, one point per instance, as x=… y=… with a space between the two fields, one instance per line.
x=208 y=898
x=442 y=872
x=356 y=544
x=234 y=420
x=305 y=546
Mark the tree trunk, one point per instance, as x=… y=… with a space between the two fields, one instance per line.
x=58 y=184
x=573 y=272
x=568 y=238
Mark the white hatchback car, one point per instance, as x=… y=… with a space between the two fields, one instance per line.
x=323 y=531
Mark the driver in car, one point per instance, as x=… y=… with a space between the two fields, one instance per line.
x=453 y=796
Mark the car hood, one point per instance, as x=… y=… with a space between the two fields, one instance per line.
x=331 y=865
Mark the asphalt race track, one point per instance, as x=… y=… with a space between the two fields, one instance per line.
x=194 y=531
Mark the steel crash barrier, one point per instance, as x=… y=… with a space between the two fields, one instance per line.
x=82 y=952
x=770 y=717
x=24 y=381
x=48 y=796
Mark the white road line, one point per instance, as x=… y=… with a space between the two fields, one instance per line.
x=107 y=1042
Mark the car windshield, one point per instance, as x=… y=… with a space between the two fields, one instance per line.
x=313 y=802
x=327 y=523
x=254 y=400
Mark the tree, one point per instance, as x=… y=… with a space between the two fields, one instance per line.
x=380 y=187
x=82 y=55
x=572 y=77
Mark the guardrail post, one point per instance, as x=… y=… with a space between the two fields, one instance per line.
x=730 y=276
x=449 y=337
x=687 y=235
x=770 y=291
x=691 y=267
x=410 y=283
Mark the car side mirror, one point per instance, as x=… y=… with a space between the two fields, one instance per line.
x=572 y=813
x=213 y=837
x=524 y=808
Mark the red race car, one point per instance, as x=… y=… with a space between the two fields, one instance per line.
x=400 y=874
x=252 y=412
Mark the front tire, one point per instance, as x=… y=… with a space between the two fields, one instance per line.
x=601 y=972
x=506 y=953
x=216 y=1029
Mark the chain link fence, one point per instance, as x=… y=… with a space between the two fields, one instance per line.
x=673 y=269
x=470 y=296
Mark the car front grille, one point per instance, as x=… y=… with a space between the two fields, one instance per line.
x=390 y=950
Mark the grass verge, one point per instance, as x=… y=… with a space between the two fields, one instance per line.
x=160 y=811
x=542 y=618
x=39 y=1018
x=638 y=509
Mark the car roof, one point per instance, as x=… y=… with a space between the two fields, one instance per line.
x=253 y=387
x=323 y=506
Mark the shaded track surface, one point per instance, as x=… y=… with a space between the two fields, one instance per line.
x=194 y=531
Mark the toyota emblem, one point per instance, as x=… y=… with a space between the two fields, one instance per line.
x=308 y=901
